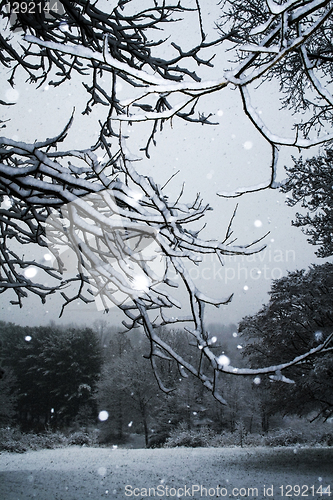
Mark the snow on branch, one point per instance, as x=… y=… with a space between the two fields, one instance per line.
x=122 y=245
x=113 y=236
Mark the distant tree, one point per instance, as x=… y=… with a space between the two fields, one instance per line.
x=110 y=388
x=310 y=183
x=56 y=371
x=298 y=317
x=126 y=389
x=8 y=398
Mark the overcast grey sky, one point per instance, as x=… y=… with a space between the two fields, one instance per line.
x=209 y=159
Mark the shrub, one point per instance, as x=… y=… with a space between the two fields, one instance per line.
x=157 y=440
x=181 y=436
x=284 y=437
x=16 y=441
x=12 y=439
x=326 y=439
x=83 y=438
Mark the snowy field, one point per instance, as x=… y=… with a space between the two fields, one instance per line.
x=96 y=473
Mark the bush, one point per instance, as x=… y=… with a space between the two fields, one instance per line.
x=83 y=438
x=181 y=436
x=12 y=439
x=284 y=437
x=326 y=439
x=16 y=441
x=157 y=440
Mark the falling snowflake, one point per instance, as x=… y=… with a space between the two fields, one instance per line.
x=27 y=338
x=130 y=424
x=245 y=288
x=257 y=380
x=103 y=415
x=247 y=145
x=12 y=95
x=220 y=112
x=235 y=334
x=141 y=283
x=318 y=335
x=223 y=360
x=257 y=223
x=101 y=471
x=30 y=272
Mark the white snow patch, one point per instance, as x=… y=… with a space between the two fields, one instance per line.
x=136 y=195
x=7 y=202
x=63 y=26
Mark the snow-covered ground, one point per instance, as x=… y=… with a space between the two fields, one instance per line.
x=96 y=473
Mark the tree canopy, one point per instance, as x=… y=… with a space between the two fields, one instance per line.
x=56 y=371
x=298 y=317
x=95 y=202
x=310 y=182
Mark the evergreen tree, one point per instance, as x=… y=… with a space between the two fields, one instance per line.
x=56 y=371
x=297 y=319
x=310 y=183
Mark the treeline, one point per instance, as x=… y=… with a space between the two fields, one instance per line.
x=60 y=377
